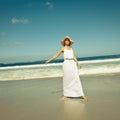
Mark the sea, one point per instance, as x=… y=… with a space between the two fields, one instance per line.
x=94 y=65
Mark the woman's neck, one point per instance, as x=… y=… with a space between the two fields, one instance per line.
x=67 y=47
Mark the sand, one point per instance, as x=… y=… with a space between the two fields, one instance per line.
x=40 y=99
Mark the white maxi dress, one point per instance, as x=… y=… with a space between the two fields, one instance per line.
x=72 y=86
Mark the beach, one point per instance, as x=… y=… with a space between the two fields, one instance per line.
x=40 y=99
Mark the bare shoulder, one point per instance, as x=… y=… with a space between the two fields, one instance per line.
x=72 y=48
x=62 y=49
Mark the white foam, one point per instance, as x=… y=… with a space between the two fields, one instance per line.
x=58 y=64
x=31 y=66
x=100 y=61
x=100 y=70
x=55 y=70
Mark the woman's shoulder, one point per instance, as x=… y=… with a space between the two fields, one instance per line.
x=69 y=48
x=62 y=49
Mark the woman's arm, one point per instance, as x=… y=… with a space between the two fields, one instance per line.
x=55 y=56
x=75 y=59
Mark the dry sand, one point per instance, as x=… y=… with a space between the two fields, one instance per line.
x=41 y=99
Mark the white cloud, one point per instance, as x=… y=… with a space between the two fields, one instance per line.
x=49 y=4
x=19 y=20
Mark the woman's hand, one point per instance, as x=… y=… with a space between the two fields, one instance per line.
x=79 y=65
x=47 y=62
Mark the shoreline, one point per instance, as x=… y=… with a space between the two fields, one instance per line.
x=87 y=75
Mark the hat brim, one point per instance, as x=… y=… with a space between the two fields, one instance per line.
x=71 y=41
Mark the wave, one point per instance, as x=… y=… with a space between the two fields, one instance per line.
x=98 y=61
x=31 y=66
x=55 y=69
x=102 y=69
x=58 y=64
x=82 y=59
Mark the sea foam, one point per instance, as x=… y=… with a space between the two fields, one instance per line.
x=55 y=69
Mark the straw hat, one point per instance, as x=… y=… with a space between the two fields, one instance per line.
x=67 y=38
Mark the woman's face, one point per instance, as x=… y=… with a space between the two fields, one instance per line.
x=67 y=42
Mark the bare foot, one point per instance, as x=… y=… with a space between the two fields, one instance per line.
x=84 y=99
x=64 y=98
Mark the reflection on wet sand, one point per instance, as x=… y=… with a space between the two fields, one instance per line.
x=74 y=110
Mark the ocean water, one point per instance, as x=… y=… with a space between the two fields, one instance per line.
x=37 y=69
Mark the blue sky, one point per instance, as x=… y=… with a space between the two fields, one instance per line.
x=32 y=29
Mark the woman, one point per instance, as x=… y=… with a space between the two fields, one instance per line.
x=71 y=82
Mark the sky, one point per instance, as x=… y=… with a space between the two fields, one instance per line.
x=33 y=29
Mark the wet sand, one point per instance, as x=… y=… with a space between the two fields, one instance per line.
x=40 y=99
